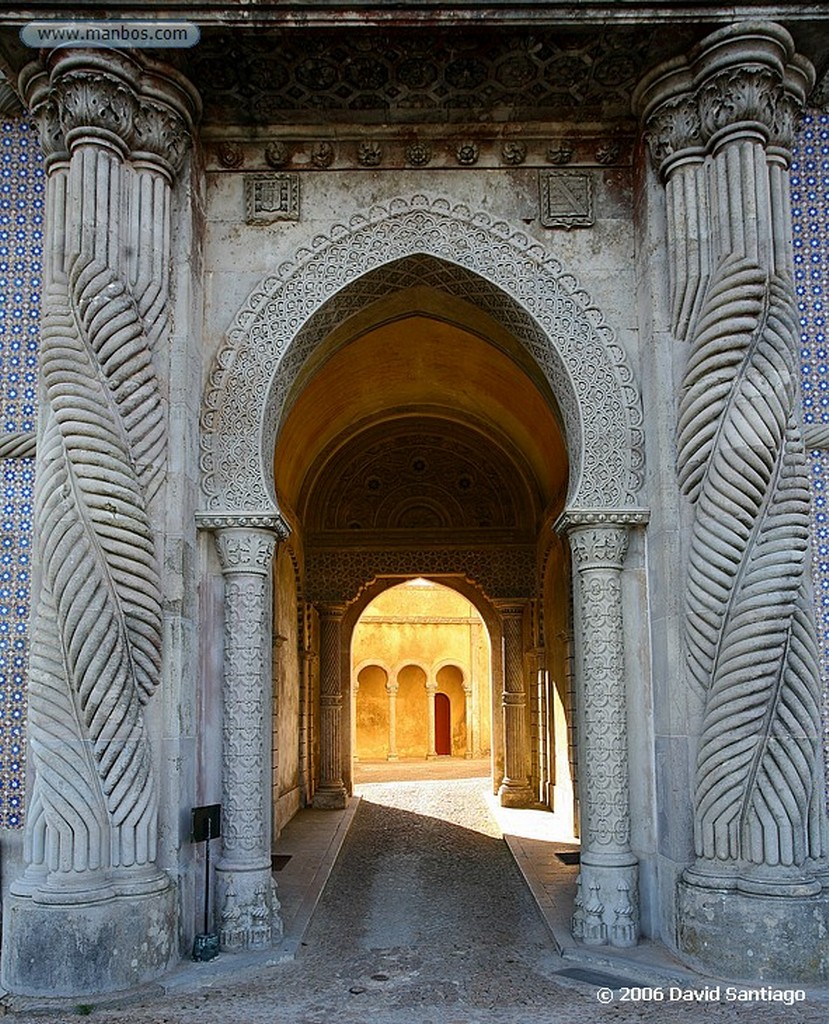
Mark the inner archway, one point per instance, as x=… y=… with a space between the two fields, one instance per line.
x=421 y=676
x=420 y=444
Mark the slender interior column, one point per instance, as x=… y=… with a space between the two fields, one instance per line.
x=392 y=686
x=515 y=790
x=607 y=905
x=331 y=794
x=245 y=893
x=467 y=696
x=431 y=690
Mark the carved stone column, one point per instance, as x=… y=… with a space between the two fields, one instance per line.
x=431 y=690
x=467 y=697
x=607 y=905
x=331 y=794
x=245 y=894
x=720 y=126
x=111 y=126
x=392 y=686
x=515 y=790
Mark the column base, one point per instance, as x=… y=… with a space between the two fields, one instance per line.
x=76 y=948
x=513 y=794
x=607 y=902
x=247 y=907
x=330 y=799
x=736 y=929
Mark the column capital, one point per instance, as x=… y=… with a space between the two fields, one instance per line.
x=266 y=520
x=510 y=608
x=599 y=538
x=245 y=550
x=332 y=611
x=743 y=80
x=132 y=105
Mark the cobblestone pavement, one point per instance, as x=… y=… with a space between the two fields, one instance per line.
x=426 y=920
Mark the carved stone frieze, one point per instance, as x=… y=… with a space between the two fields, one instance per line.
x=418 y=154
x=514 y=152
x=322 y=155
x=230 y=155
x=277 y=153
x=561 y=152
x=340 y=574
x=467 y=153
x=369 y=154
x=513 y=279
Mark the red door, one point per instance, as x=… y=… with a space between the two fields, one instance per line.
x=443 y=724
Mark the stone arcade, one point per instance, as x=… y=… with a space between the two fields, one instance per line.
x=496 y=296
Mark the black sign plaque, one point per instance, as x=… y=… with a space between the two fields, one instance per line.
x=207 y=823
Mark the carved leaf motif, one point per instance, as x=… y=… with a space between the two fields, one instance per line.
x=749 y=640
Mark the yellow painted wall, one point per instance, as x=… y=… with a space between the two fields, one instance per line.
x=411 y=633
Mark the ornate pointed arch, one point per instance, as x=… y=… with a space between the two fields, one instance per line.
x=412 y=242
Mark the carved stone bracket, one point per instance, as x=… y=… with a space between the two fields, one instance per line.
x=607 y=907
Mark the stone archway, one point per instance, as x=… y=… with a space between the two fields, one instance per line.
x=451 y=248
x=279 y=336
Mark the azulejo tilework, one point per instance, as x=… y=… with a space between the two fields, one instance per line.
x=21 y=253
x=810 y=226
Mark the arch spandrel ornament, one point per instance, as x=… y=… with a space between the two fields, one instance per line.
x=414 y=242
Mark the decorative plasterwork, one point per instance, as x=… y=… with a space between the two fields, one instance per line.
x=414 y=242
x=383 y=75
x=500 y=571
x=418 y=474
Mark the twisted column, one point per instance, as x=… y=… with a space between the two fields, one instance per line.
x=101 y=454
x=749 y=637
x=97 y=639
x=515 y=790
x=331 y=794
x=607 y=908
x=245 y=893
